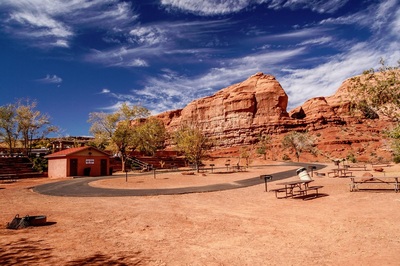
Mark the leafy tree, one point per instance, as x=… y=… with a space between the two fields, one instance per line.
x=190 y=140
x=298 y=142
x=115 y=130
x=150 y=136
x=32 y=124
x=8 y=126
x=377 y=91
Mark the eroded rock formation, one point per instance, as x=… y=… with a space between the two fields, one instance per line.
x=239 y=114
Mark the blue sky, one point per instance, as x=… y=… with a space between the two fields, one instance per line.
x=76 y=57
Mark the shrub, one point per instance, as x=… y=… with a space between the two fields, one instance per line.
x=39 y=164
x=351 y=158
x=396 y=158
x=285 y=157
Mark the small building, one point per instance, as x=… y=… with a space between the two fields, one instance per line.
x=80 y=161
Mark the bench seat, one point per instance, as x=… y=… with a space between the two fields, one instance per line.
x=311 y=188
x=279 y=190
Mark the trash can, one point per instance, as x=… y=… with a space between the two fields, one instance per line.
x=110 y=171
x=302 y=173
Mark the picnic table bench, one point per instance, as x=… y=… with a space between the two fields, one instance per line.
x=393 y=180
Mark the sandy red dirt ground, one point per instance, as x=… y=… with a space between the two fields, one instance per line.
x=245 y=226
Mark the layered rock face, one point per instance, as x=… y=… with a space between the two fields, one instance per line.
x=239 y=114
x=236 y=114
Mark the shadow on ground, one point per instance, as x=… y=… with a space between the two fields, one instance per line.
x=24 y=252
x=98 y=259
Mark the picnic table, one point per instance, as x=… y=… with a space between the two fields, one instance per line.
x=295 y=188
x=340 y=172
x=361 y=167
x=393 y=180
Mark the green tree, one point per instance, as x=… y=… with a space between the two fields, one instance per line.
x=150 y=136
x=32 y=124
x=8 y=126
x=298 y=142
x=115 y=131
x=190 y=140
x=377 y=91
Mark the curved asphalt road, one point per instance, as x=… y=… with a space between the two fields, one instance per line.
x=80 y=187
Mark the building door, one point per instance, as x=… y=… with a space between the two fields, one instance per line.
x=73 y=167
x=103 y=167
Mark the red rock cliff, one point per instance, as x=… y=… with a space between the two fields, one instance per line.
x=239 y=114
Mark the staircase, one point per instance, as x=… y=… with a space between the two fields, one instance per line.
x=140 y=164
x=17 y=167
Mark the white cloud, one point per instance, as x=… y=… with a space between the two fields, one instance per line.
x=123 y=56
x=325 y=78
x=321 y=78
x=162 y=41
x=150 y=35
x=50 y=23
x=207 y=7
x=172 y=91
x=320 y=6
x=211 y=7
x=51 y=79
x=317 y=41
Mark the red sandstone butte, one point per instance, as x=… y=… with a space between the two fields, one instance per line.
x=237 y=115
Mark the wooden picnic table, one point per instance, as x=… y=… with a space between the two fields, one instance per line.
x=394 y=180
x=293 y=188
x=340 y=172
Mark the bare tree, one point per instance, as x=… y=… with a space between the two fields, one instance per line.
x=32 y=124
x=264 y=145
x=8 y=126
x=298 y=142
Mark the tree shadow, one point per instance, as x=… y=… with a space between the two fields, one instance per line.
x=36 y=252
x=25 y=251
x=98 y=259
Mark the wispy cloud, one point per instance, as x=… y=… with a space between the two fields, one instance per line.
x=173 y=91
x=123 y=56
x=301 y=77
x=54 y=23
x=211 y=8
x=326 y=77
x=161 y=42
x=51 y=79
x=320 y=6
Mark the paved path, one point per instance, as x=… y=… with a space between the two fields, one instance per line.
x=80 y=187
